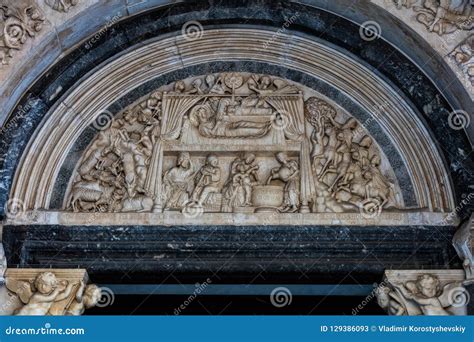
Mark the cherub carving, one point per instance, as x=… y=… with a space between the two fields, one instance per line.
x=426 y=293
x=47 y=290
x=288 y=173
x=87 y=296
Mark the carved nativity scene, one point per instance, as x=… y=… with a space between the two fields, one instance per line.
x=233 y=143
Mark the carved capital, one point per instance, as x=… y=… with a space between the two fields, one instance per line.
x=54 y=292
x=423 y=292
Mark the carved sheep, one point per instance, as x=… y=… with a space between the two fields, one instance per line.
x=90 y=192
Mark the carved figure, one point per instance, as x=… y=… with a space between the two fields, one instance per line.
x=243 y=177
x=48 y=291
x=177 y=182
x=389 y=301
x=288 y=173
x=207 y=180
x=345 y=170
x=426 y=293
x=217 y=124
x=87 y=296
x=445 y=16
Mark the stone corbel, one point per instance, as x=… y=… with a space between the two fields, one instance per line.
x=57 y=292
x=423 y=292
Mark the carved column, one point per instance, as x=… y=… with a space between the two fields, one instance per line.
x=423 y=292
x=38 y=292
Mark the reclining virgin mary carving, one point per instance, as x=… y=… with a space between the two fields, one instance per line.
x=216 y=123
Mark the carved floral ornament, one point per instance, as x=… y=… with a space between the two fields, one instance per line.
x=17 y=25
x=232 y=143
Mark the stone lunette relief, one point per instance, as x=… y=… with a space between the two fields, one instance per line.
x=441 y=16
x=17 y=25
x=231 y=143
x=52 y=292
x=430 y=293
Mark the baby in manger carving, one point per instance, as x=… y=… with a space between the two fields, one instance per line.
x=231 y=142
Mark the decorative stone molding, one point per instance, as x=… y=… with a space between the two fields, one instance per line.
x=462 y=55
x=17 y=25
x=423 y=292
x=61 y=5
x=63 y=125
x=441 y=17
x=462 y=242
x=51 y=291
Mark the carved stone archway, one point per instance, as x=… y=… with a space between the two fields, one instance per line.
x=279 y=143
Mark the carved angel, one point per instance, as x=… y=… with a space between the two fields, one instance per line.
x=426 y=293
x=47 y=290
x=86 y=298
